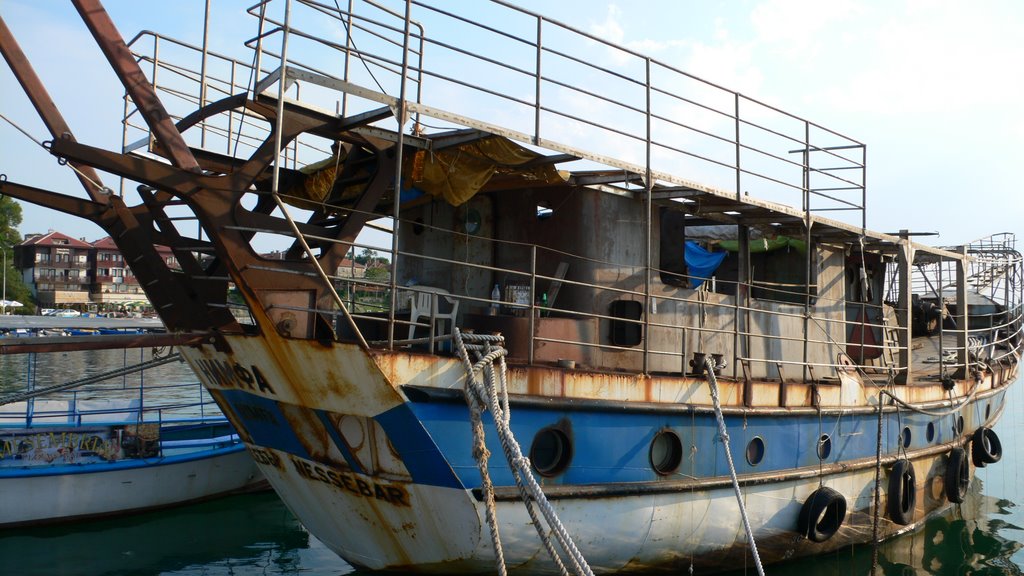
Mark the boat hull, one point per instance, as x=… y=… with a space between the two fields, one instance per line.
x=76 y=492
x=374 y=452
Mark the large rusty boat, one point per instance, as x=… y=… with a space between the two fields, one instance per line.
x=621 y=319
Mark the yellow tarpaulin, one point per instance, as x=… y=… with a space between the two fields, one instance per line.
x=458 y=173
x=455 y=174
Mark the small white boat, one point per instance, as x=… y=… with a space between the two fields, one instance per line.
x=86 y=454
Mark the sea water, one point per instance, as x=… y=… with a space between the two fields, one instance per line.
x=256 y=534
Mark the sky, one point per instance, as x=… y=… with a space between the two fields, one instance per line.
x=932 y=87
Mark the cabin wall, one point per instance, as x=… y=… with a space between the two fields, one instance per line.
x=683 y=320
x=446 y=234
x=774 y=334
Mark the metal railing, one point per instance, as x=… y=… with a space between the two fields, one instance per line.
x=521 y=75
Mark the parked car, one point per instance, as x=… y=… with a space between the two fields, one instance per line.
x=66 y=313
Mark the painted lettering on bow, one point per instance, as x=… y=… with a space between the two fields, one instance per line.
x=391 y=493
x=235 y=375
x=262 y=456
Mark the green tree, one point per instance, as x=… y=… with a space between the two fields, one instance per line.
x=10 y=219
x=365 y=256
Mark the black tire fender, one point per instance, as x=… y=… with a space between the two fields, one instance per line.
x=902 y=492
x=822 y=514
x=958 y=475
x=985 y=447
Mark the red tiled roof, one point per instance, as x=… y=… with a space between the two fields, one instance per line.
x=54 y=238
x=107 y=243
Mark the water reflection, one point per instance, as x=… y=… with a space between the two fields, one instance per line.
x=979 y=537
x=237 y=535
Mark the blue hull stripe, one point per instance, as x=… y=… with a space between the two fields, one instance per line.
x=419 y=453
x=263 y=420
x=104 y=467
x=343 y=447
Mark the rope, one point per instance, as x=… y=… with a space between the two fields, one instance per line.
x=878 y=491
x=713 y=383
x=43 y=145
x=490 y=392
x=952 y=409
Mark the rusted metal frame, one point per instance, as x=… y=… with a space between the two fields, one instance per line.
x=431 y=394
x=231 y=113
x=743 y=281
x=46 y=108
x=226 y=104
x=171 y=238
x=155 y=277
x=809 y=269
x=809 y=259
x=156 y=174
x=279 y=118
x=98 y=342
x=92 y=211
x=533 y=299
x=279 y=143
x=864 y=188
x=347 y=52
x=648 y=222
x=942 y=306
x=202 y=70
x=741 y=336
x=962 y=317
x=538 y=77
x=736 y=143
x=179 y=303
x=905 y=259
x=362 y=211
x=265 y=222
x=141 y=91
x=400 y=148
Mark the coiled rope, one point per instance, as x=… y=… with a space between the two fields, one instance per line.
x=709 y=366
x=491 y=393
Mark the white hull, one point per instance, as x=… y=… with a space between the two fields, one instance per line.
x=93 y=492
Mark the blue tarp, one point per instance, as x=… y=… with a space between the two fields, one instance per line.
x=701 y=264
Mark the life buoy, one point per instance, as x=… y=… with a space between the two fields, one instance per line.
x=958 y=475
x=902 y=492
x=822 y=514
x=985 y=447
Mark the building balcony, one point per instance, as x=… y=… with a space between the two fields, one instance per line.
x=132 y=280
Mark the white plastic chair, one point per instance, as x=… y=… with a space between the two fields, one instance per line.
x=423 y=300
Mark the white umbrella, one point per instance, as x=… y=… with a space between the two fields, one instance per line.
x=11 y=304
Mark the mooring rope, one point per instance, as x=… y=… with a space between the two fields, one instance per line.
x=490 y=392
x=709 y=366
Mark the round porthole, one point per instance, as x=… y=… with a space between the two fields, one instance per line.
x=824 y=447
x=666 y=452
x=551 y=452
x=929 y=433
x=905 y=437
x=755 y=451
x=958 y=425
